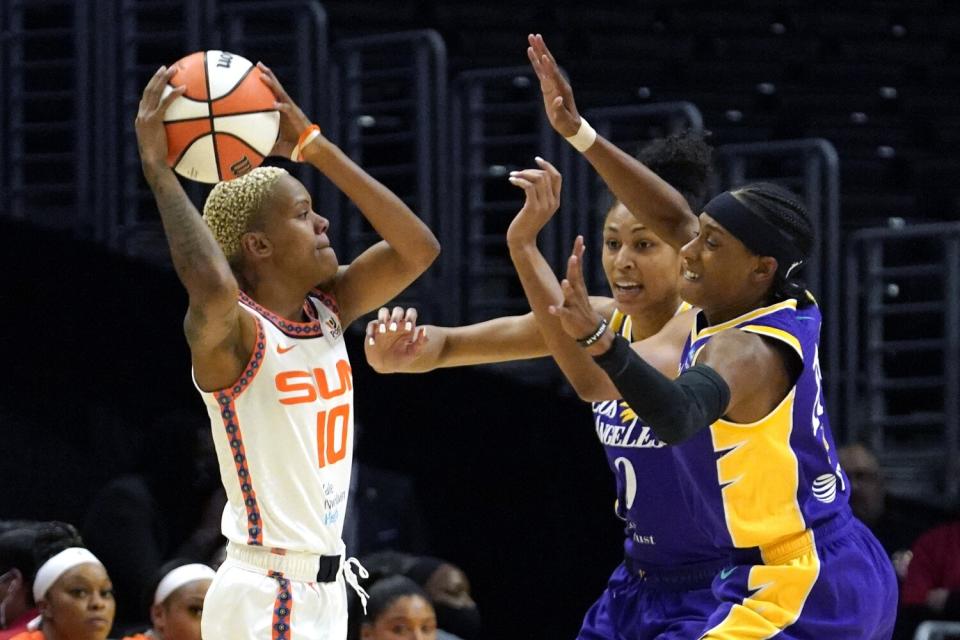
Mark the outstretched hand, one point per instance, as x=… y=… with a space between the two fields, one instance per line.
x=577 y=316
x=557 y=93
x=542 y=189
x=292 y=119
x=394 y=340
x=151 y=135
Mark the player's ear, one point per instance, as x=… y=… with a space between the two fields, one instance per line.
x=158 y=617
x=765 y=269
x=256 y=244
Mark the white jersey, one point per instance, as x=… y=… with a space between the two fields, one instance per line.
x=284 y=433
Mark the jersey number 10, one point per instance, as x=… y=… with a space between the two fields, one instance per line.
x=332 y=434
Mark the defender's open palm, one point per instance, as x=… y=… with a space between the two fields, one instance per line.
x=577 y=316
x=394 y=340
x=557 y=93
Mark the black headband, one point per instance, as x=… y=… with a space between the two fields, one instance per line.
x=757 y=234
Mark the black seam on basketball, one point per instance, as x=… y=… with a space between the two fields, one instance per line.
x=238 y=138
x=187 y=146
x=234 y=87
x=193 y=119
x=239 y=113
x=206 y=80
x=221 y=115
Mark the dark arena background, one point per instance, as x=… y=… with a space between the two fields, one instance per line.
x=851 y=104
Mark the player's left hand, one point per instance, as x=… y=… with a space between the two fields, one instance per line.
x=292 y=119
x=542 y=189
x=577 y=316
x=557 y=93
x=394 y=340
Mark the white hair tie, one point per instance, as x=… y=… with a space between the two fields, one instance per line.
x=52 y=569
x=180 y=576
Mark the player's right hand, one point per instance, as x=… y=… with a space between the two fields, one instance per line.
x=577 y=316
x=542 y=189
x=151 y=135
x=394 y=340
x=292 y=118
x=557 y=93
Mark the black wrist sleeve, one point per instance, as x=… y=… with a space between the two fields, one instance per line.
x=674 y=409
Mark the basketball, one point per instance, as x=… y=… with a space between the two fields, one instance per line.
x=224 y=125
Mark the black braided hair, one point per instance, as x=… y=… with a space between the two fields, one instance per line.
x=683 y=160
x=783 y=209
x=52 y=538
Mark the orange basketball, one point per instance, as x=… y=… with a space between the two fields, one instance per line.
x=225 y=123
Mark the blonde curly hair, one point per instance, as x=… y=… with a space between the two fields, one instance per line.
x=233 y=204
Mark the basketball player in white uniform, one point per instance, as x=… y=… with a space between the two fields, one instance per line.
x=268 y=305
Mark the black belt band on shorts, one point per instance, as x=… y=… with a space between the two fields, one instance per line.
x=329 y=568
x=682 y=578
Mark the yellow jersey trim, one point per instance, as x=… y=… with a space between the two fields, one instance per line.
x=752 y=315
x=777 y=334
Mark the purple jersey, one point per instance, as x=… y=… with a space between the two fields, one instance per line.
x=762 y=482
x=659 y=531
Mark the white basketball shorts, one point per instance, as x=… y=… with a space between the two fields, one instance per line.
x=259 y=595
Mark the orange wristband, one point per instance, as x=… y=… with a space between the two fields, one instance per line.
x=306 y=137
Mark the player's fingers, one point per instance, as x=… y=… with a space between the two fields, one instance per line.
x=575 y=274
x=371 y=330
x=170 y=97
x=270 y=79
x=526 y=185
x=545 y=189
x=579 y=247
x=535 y=61
x=532 y=175
x=153 y=88
x=396 y=317
x=556 y=178
x=383 y=316
x=410 y=319
x=544 y=49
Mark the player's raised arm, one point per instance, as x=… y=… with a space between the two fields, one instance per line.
x=651 y=200
x=542 y=189
x=213 y=324
x=408 y=247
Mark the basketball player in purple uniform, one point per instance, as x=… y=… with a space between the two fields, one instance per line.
x=756 y=455
x=661 y=590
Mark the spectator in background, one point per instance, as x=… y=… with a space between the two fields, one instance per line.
x=71 y=588
x=896 y=522
x=449 y=589
x=398 y=609
x=17 y=567
x=932 y=585
x=176 y=601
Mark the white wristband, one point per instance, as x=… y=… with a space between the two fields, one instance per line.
x=584 y=138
